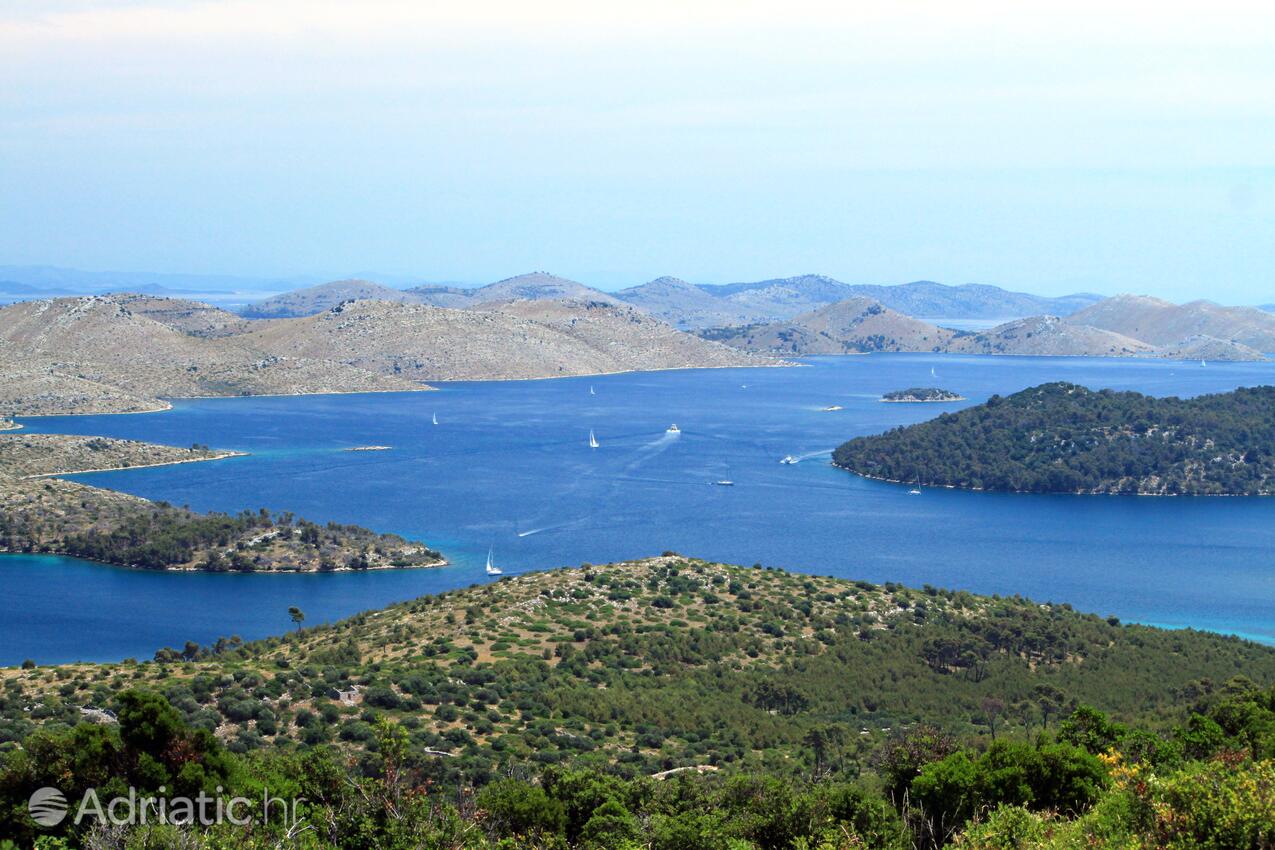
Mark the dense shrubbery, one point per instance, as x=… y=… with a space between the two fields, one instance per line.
x=1013 y=794
x=1065 y=438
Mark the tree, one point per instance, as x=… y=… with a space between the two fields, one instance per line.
x=297 y=615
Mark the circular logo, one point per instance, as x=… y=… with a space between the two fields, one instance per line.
x=47 y=807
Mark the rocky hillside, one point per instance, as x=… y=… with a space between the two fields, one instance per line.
x=853 y=326
x=859 y=325
x=924 y=298
x=685 y=305
x=524 y=339
x=535 y=286
x=768 y=301
x=325 y=296
x=1050 y=336
x=25 y=455
x=125 y=353
x=99 y=354
x=1163 y=323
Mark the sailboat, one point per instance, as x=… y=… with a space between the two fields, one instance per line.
x=435 y=418
x=1202 y=363
x=492 y=569
x=593 y=441
x=932 y=375
x=591 y=392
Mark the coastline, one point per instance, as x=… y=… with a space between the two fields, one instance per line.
x=922 y=400
x=424 y=387
x=133 y=567
x=1053 y=492
x=218 y=456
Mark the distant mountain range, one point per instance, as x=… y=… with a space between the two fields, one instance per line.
x=536 y=286
x=693 y=306
x=684 y=305
x=1124 y=326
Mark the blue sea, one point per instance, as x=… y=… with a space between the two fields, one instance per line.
x=508 y=468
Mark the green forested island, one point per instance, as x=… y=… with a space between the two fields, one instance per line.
x=673 y=704
x=922 y=394
x=1064 y=438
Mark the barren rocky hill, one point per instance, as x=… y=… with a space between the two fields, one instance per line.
x=686 y=305
x=1166 y=324
x=98 y=354
x=325 y=296
x=860 y=325
x=521 y=339
x=538 y=286
x=123 y=353
x=1050 y=336
x=856 y=325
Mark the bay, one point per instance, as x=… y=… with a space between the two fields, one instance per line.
x=509 y=468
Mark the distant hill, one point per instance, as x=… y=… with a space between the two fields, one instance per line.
x=325 y=296
x=1064 y=438
x=515 y=340
x=926 y=299
x=538 y=286
x=779 y=299
x=1164 y=323
x=686 y=305
x=859 y=325
x=535 y=286
x=1050 y=336
x=853 y=326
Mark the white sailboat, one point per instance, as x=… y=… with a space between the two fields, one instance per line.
x=932 y=374
x=435 y=418
x=591 y=392
x=593 y=441
x=492 y=569
x=1202 y=363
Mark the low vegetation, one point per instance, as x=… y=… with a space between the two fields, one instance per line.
x=674 y=704
x=1064 y=438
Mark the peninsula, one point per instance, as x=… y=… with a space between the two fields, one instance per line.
x=1064 y=438
x=40 y=513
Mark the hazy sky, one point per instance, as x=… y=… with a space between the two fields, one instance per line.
x=1044 y=146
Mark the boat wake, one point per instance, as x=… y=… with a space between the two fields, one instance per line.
x=554 y=527
x=795 y=459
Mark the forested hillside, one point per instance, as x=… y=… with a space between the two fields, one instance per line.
x=1064 y=438
x=674 y=704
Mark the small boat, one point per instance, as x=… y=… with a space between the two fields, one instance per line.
x=435 y=418
x=932 y=375
x=673 y=429
x=914 y=492
x=725 y=482
x=492 y=569
x=832 y=407
x=591 y=392
x=1202 y=363
x=593 y=441
x=788 y=459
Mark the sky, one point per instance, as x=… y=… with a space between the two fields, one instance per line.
x=1047 y=147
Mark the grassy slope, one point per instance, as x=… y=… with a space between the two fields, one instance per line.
x=664 y=663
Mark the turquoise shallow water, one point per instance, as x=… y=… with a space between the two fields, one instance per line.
x=509 y=466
